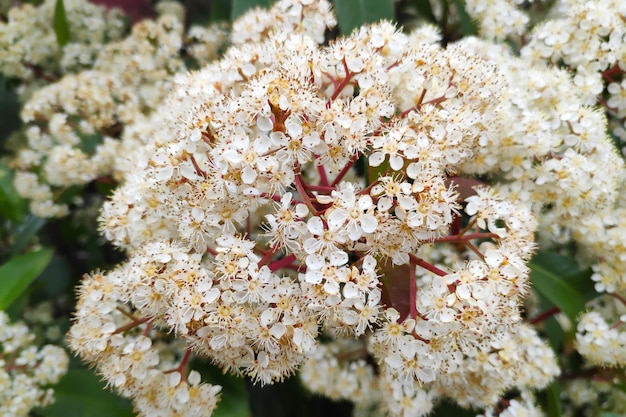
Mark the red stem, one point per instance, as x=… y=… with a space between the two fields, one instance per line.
x=468 y=227
x=545 y=315
x=464 y=238
x=412 y=292
x=147 y=329
x=303 y=194
x=344 y=82
x=106 y=180
x=181 y=367
x=345 y=170
x=39 y=72
x=615 y=69
x=268 y=255
x=197 y=167
x=281 y=263
x=271 y=197
x=474 y=249
x=619 y=297
x=323 y=176
x=320 y=188
x=606 y=105
x=417 y=105
x=132 y=324
x=432 y=268
x=420 y=315
x=428 y=266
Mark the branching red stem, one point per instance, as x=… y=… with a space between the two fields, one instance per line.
x=181 y=368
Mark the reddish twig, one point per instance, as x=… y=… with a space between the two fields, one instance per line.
x=132 y=324
x=181 y=367
x=281 y=263
x=544 y=316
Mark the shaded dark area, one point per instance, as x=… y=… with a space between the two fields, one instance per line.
x=289 y=399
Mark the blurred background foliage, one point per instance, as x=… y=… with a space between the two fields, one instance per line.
x=43 y=260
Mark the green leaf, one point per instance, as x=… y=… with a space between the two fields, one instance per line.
x=25 y=233
x=468 y=26
x=553 y=393
x=554 y=333
x=354 y=13
x=549 y=275
x=219 y=11
x=61 y=27
x=232 y=405
x=80 y=393
x=447 y=408
x=234 y=401
x=89 y=142
x=239 y=7
x=374 y=173
x=17 y=274
x=9 y=110
x=425 y=10
x=11 y=204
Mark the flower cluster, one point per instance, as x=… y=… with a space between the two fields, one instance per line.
x=555 y=151
x=307 y=204
x=28 y=45
x=72 y=125
x=588 y=37
x=248 y=232
x=131 y=361
x=26 y=370
x=499 y=19
x=600 y=341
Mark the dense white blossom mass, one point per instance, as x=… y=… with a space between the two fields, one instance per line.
x=303 y=204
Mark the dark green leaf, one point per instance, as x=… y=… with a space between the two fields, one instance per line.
x=568 y=269
x=425 y=10
x=553 y=393
x=17 y=274
x=56 y=278
x=554 y=333
x=25 y=233
x=239 y=7
x=11 y=204
x=106 y=186
x=234 y=396
x=468 y=26
x=89 y=142
x=61 y=27
x=354 y=13
x=449 y=409
x=549 y=276
x=561 y=265
x=81 y=394
x=219 y=10
x=9 y=110
x=232 y=405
